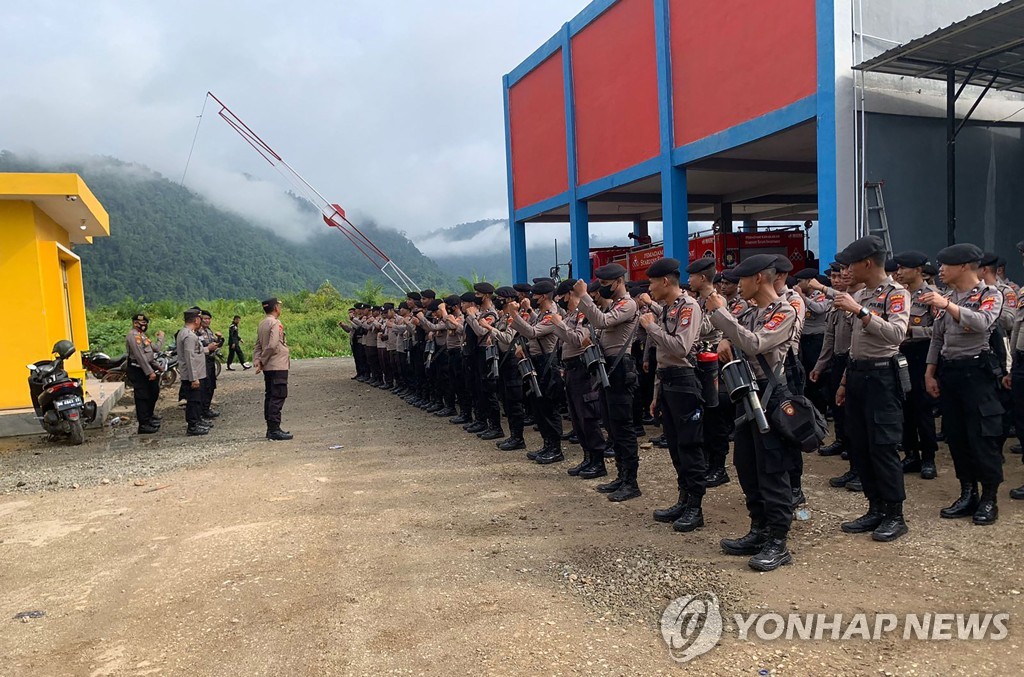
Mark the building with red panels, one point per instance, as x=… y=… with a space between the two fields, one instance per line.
x=740 y=112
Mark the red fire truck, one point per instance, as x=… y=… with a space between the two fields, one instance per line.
x=728 y=249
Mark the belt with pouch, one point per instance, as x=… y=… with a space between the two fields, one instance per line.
x=574 y=362
x=674 y=372
x=965 y=362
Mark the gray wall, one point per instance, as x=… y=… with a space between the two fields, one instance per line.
x=909 y=155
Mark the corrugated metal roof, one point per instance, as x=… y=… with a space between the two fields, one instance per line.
x=986 y=45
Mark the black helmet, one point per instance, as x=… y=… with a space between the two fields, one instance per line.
x=64 y=349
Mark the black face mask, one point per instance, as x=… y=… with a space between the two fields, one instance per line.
x=563 y=304
x=606 y=291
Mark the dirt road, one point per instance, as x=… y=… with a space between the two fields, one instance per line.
x=418 y=549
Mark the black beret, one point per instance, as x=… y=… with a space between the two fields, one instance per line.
x=791 y=281
x=731 y=276
x=701 y=265
x=593 y=286
x=139 y=317
x=835 y=267
x=610 y=271
x=505 y=292
x=543 y=287
x=452 y=300
x=433 y=305
x=783 y=264
x=911 y=259
x=469 y=297
x=539 y=279
x=376 y=309
x=428 y=294
x=269 y=304
x=891 y=266
x=565 y=286
x=752 y=265
x=861 y=249
x=389 y=306
x=929 y=269
x=484 y=287
x=414 y=295
x=718 y=278
x=522 y=287
x=824 y=280
x=807 y=274
x=960 y=253
x=989 y=260
x=663 y=267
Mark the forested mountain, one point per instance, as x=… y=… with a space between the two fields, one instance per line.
x=168 y=242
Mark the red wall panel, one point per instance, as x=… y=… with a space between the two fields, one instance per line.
x=734 y=60
x=537 y=120
x=615 y=87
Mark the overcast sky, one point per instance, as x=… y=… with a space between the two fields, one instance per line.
x=392 y=109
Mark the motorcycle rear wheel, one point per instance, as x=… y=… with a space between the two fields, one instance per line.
x=77 y=432
x=168 y=378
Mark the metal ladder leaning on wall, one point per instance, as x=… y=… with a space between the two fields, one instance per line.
x=874 y=204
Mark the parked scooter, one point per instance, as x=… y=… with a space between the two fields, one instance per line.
x=168 y=361
x=104 y=367
x=59 y=400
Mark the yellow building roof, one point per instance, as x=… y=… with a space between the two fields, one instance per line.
x=64 y=198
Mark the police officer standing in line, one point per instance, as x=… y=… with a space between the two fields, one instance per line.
x=582 y=391
x=718 y=419
x=542 y=344
x=796 y=377
x=270 y=355
x=816 y=305
x=212 y=342
x=235 y=345
x=965 y=377
x=511 y=382
x=479 y=321
x=871 y=389
x=192 y=369
x=143 y=372
x=919 y=442
x=763 y=461
x=674 y=324
x=617 y=323
x=1000 y=338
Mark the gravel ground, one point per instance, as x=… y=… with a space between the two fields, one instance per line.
x=417 y=549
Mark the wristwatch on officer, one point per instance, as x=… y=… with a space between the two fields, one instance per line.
x=862 y=313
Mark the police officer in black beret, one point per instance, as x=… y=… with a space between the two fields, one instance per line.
x=618 y=322
x=144 y=373
x=871 y=389
x=962 y=370
x=919 y=440
x=763 y=461
x=479 y=323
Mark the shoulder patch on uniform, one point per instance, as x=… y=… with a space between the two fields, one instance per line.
x=546 y=320
x=620 y=303
x=1011 y=299
x=897 y=302
x=774 y=322
x=796 y=303
x=138 y=339
x=988 y=303
x=737 y=309
x=685 y=316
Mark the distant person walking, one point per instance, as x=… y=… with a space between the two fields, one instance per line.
x=270 y=355
x=235 y=345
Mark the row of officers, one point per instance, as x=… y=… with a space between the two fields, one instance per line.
x=750 y=356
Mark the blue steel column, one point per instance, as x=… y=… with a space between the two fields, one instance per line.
x=675 y=209
x=516 y=229
x=828 y=202
x=579 y=216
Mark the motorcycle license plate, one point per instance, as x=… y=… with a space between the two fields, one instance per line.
x=68 y=403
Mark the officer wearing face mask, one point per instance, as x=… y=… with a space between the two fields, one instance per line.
x=143 y=372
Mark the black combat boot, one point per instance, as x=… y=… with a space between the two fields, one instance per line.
x=987 y=511
x=965 y=505
x=773 y=555
x=716 y=477
x=911 y=462
x=928 y=469
x=673 y=512
x=595 y=469
x=628 y=489
x=491 y=433
x=833 y=449
x=460 y=420
x=513 y=443
x=843 y=480
x=575 y=470
x=869 y=521
x=475 y=427
x=692 y=517
x=1017 y=494
x=747 y=545
x=552 y=453
x=855 y=485
x=893 y=525
x=798 y=497
x=614 y=485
